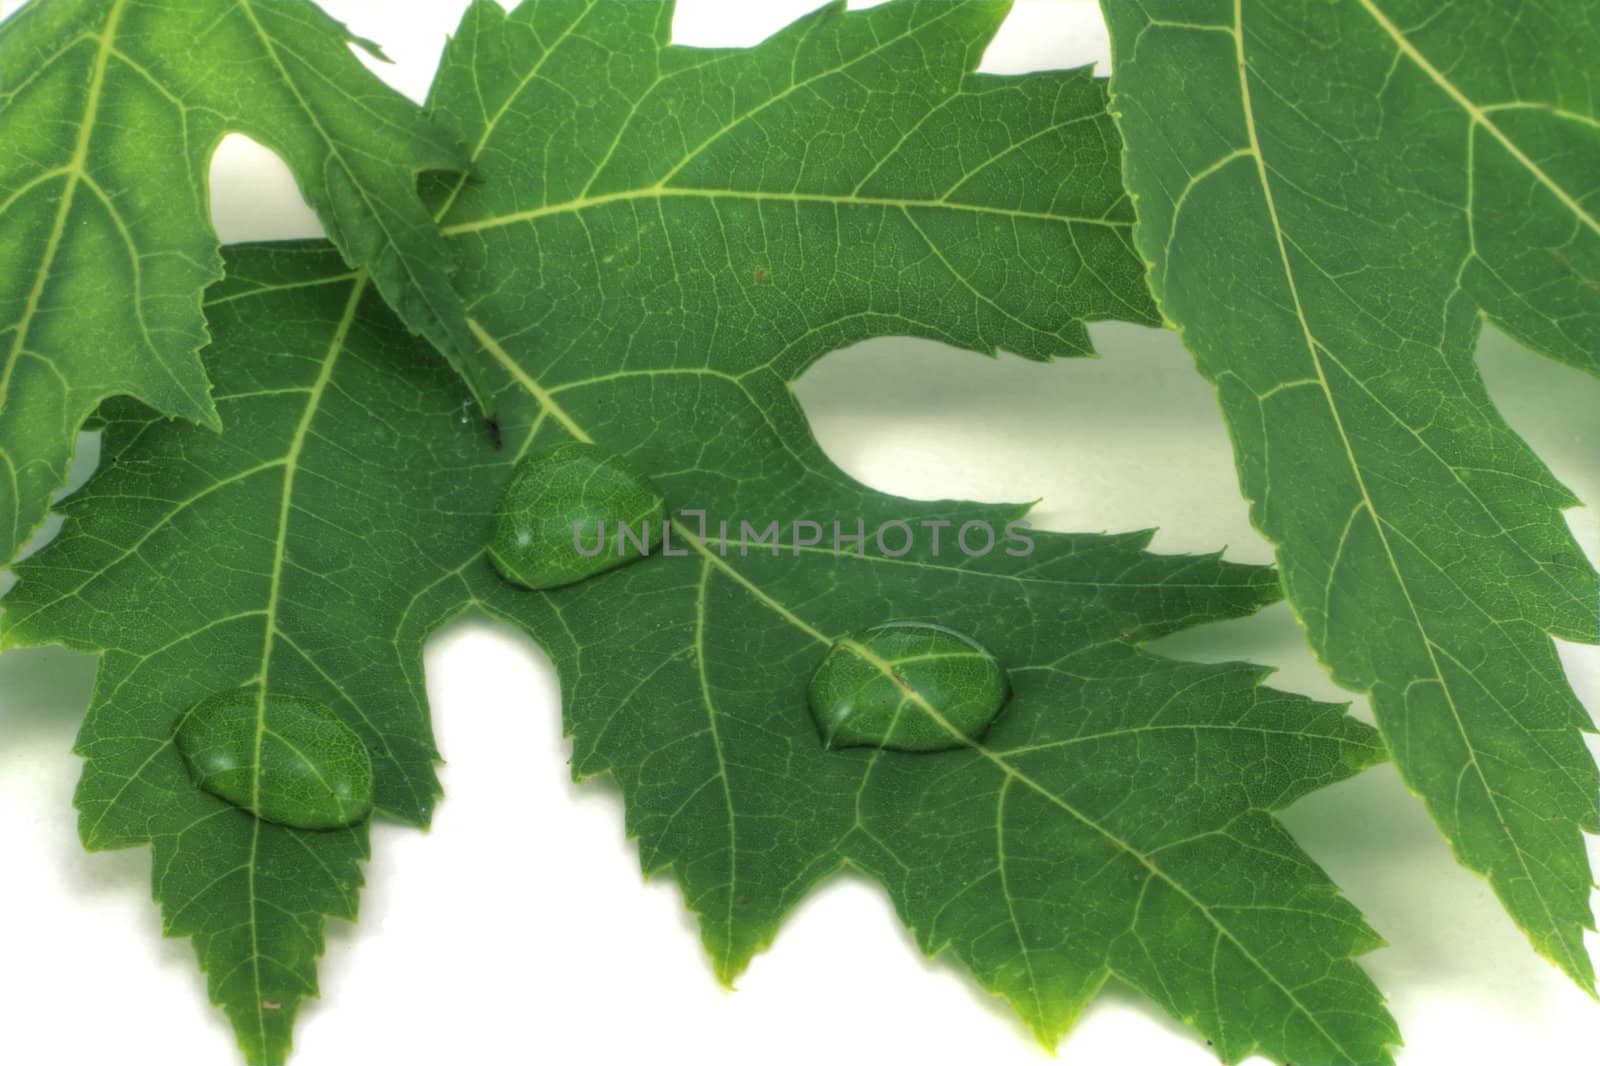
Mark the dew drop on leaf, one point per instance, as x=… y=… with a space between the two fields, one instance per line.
x=283 y=758
x=911 y=686
x=571 y=511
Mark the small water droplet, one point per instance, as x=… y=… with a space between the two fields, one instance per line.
x=286 y=759
x=560 y=519
x=911 y=686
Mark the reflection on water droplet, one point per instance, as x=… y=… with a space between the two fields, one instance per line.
x=911 y=686
x=561 y=518
x=287 y=759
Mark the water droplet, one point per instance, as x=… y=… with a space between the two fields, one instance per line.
x=287 y=759
x=912 y=686
x=562 y=517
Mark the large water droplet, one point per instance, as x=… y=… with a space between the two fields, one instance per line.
x=287 y=759
x=561 y=518
x=912 y=686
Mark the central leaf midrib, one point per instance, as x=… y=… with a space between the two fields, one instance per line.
x=291 y=468
x=662 y=188
x=270 y=624
x=921 y=564
x=662 y=192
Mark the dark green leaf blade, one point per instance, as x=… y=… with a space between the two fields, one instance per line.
x=848 y=177
x=109 y=113
x=685 y=678
x=671 y=333
x=277 y=556
x=1327 y=235
x=675 y=297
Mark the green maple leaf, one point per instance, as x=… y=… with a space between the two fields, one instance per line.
x=1115 y=821
x=849 y=177
x=1328 y=233
x=109 y=113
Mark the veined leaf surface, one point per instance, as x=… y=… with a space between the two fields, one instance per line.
x=1115 y=819
x=109 y=113
x=1332 y=197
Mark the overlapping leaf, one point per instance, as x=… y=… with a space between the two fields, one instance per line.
x=1332 y=195
x=656 y=249
x=109 y=113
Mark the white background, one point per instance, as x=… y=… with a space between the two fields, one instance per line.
x=518 y=930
